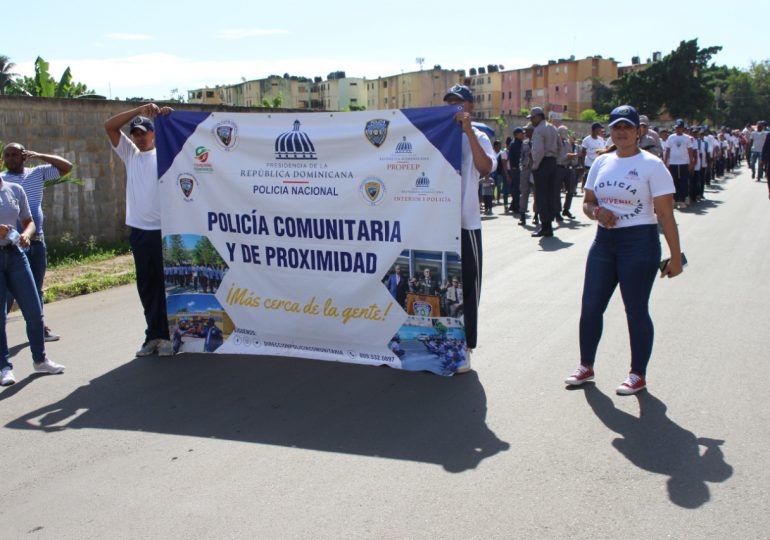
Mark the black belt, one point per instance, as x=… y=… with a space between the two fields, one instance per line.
x=9 y=247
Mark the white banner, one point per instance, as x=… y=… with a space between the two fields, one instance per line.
x=283 y=233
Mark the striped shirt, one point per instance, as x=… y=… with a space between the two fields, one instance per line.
x=32 y=180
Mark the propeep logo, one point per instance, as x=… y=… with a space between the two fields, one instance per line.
x=404 y=147
x=294 y=144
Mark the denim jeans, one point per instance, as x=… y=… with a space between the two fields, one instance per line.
x=16 y=277
x=37 y=255
x=628 y=256
x=753 y=158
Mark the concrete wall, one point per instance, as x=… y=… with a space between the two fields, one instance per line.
x=73 y=128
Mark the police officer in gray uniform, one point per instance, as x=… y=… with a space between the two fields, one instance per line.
x=545 y=149
x=648 y=139
x=525 y=173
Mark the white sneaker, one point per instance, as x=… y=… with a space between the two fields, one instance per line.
x=165 y=348
x=46 y=366
x=465 y=367
x=148 y=348
x=6 y=377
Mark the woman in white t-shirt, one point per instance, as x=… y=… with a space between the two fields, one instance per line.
x=628 y=192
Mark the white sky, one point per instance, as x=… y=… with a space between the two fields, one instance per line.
x=149 y=48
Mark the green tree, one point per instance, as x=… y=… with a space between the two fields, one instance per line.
x=5 y=73
x=678 y=83
x=589 y=115
x=205 y=254
x=174 y=250
x=44 y=85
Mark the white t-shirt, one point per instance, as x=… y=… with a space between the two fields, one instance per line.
x=701 y=152
x=142 y=189
x=712 y=142
x=592 y=145
x=627 y=186
x=470 y=218
x=679 y=146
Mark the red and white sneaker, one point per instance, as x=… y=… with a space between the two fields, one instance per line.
x=582 y=374
x=633 y=384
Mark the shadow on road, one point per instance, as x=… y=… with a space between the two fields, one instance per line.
x=655 y=443
x=553 y=243
x=701 y=208
x=286 y=402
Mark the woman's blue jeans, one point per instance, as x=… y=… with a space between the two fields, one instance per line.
x=16 y=277
x=628 y=257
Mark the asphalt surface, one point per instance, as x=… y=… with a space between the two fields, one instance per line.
x=205 y=446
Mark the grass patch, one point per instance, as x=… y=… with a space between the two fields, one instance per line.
x=65 y=252
x=87 y=283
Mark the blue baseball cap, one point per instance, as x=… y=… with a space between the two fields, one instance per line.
x=624 y=113
x=596 y=125
x=679 y=123
x=459 y=91
x=143 y=123
x=518 y=130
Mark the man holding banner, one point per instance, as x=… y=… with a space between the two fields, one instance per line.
x=143 y=218
x=478 y=159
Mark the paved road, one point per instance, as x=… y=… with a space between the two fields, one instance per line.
x=232 y=447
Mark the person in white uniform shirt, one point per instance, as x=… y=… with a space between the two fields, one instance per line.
x=478 y=159
x=628 y=192
x=143 y=218
x=590 y=145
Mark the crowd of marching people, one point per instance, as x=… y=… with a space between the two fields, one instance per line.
x=194 y=277
x=695 y=156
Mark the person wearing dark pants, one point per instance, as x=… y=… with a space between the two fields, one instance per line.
x=680 y=159
x=545 y=149
x=143 y=217
x=628 y=192
x=514 y=156
x=147 y=248
x=478 y=160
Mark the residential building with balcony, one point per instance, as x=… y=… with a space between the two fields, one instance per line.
x=424 y=88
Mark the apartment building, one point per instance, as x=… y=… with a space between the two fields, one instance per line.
x=339 y=92
x=424 y=88
x=564 y=87
x=486 y=84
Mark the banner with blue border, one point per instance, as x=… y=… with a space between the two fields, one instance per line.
x=332 y=236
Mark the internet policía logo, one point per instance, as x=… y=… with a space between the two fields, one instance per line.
x=295 y=144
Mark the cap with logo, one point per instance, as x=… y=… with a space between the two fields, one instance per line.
x=535 y=111
x=624 y=113
x=459 y=91
x=143 y=123
x=679 y=123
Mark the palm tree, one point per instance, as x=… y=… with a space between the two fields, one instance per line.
x=5 y=73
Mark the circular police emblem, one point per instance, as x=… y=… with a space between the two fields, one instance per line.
x=372 y=190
